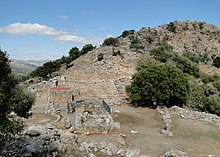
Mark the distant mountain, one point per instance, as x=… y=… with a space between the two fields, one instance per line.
x=24 y=67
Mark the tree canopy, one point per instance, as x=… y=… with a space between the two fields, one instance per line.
x=12 y=99
x=159 y=85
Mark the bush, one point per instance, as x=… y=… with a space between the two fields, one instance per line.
x=116 y=52
x=213 y=105
x=111 y=42
x=193 y=57
x=162 y=53
x=187 y=66
x=127 y=33
x=149 y=39
x=136 y=44
x=216 y=62
x=86 y=48
x=159 y=85
x=100 y=56
x=171 y=27
x=197 y=99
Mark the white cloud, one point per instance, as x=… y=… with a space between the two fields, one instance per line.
x=30 y=28
x=71 y=38
x=64 y=17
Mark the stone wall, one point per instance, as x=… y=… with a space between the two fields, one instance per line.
x=60 y=95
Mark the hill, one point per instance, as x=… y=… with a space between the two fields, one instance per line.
x=104 y=72
x=107 y=78
x=24 y=67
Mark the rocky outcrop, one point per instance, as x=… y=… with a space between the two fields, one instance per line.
x=175 y=153
x=48 y=141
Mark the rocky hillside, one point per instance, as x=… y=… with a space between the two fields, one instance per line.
x=24 y=67
x=105 y=71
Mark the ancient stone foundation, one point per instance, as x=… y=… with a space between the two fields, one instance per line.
x=94 y=118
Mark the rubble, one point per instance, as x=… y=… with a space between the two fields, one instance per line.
x=175 y=153
x=195 y=115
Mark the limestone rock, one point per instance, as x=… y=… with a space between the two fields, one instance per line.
x=175 y=153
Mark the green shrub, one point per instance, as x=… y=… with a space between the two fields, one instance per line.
x=116 y=52
x=100 y=56
x=216 y=62
x=136 y=44
x=171 y=27
x=193 y=57
x=159 y=85
x=197 y=99
x=111 y=42
x=187 y=66
x=86 y=48
x=162 y=53
x=149 y=39
x=127 y=33
x=209 y=78
x=213 y=105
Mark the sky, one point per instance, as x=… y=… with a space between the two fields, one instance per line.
x=47 y=29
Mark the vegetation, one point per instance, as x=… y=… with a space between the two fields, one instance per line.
x=111 y=42
x=159 y=85
x=127 y=33
x=213 y=104
x=162 y=53
x=116 y=52
x=48 y=68
x=171 y=27
x=216 y=62
x=87 y=48
x=100 y=56
x=12 y=99
x=197 y=99
x=136 y=44
x=187 y=66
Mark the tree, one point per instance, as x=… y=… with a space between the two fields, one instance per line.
x=111 y=42
x=127 y=33
x=74 y=53
x=159 y=85
x=12 y=99
x=86 y=48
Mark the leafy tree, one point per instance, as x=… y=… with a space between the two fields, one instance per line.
x=159 y=85
x=86 y=48
x=12 y=99
x=111 y=42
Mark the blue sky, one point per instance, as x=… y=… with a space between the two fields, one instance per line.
x=47 y=29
